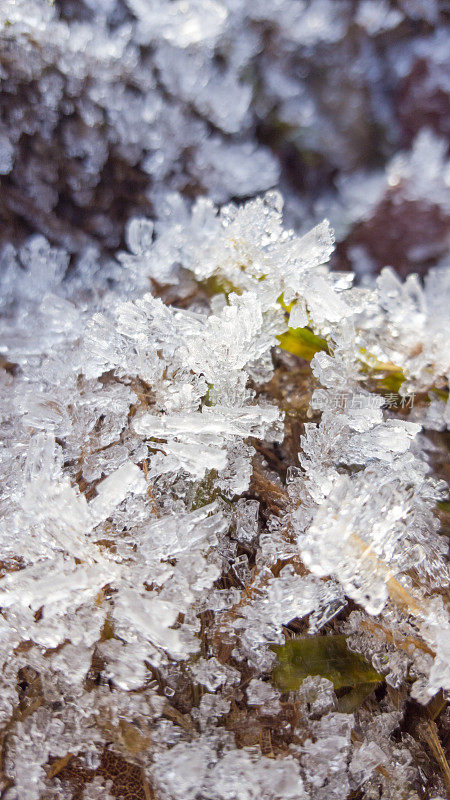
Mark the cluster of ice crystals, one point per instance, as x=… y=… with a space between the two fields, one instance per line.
x=410 y=327
x=136 y=88
x=345 y=529
x=324 y=759
x=263 y=695
x=142 y=585
x=316 y=695
x=278 y=601
x=190 y=772
x=212 y=674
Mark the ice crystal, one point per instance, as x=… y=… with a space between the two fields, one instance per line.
x=264 y=695
x=324 y=758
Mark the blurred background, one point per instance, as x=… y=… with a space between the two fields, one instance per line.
x=107 y=106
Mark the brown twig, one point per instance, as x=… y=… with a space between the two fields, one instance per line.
x=428 y=732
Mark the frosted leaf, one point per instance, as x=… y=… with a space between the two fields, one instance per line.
x=279 y=601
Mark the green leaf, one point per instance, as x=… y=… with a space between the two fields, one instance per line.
x=207 y=401
x=442 y=394
x=302 y=342
x=329 y=657
x=387 y=373
x=218 y=284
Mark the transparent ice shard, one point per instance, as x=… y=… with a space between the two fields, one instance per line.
x=151 y=619
x=316 y=695
x=262 y=694
x=212 y=674
x=199 y=440
x=325 y=758
x=364 y=761
x=124 y=663
x=174 y=534
x=113 y=489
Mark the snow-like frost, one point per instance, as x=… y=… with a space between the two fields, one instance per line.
x=137 y=439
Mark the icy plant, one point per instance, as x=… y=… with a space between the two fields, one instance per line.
x=131 y=428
